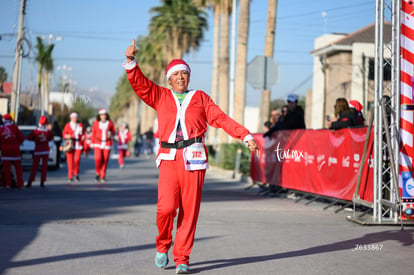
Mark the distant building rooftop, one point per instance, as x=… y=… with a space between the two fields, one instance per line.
x=364 y=35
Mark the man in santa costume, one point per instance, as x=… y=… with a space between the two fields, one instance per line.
x=183 y=116
x=103 y=131
x=41 y=137
x=74 y=131
x=10 y=140
x=124 y=136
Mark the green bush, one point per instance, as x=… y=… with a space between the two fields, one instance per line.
x=225 y=156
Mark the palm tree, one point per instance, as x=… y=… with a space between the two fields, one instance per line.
x=223 y=78
x=3 y=77
x=45 y=62
x=181 y=24
x=177 y=27
x=240 y=83
x=212 y=133
x=269 y=49
x=152 y=64
x=215 y=5
x=48 y=66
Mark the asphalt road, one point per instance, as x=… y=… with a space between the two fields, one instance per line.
x=92 y=228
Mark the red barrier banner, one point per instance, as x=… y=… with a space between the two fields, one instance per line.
x=323 y=162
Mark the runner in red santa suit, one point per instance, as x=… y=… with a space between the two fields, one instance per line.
x=103 y=131
x=10 y=140
x=41 y=137
x=124 y=136
x=74 y=130
x=183 y=116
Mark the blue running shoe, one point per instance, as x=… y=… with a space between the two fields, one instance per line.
x=182 y=269
x=161 y=259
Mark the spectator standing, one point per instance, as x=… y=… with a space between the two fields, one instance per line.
x=138 y=144
x=57 y=132
x=103 y=131
x=149 y=142
x=355 y=105
x=41 y=137
x=124 y=136
x=292 y=117
x=73 y=134
x=344 y=116
x=274 y=117
x=10 y=140
x=266 y=126
x=295 y=116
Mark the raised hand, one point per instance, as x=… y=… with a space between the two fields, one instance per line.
x=131 y=51
x=253 y=146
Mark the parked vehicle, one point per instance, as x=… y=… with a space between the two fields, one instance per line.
x=27 y=150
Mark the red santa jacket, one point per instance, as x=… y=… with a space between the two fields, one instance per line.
x=123 y=138
x=10 y=140
x=41 y=137
x=194 y=113
x=102 y=134
x=76 y=132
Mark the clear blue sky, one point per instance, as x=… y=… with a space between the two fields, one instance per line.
x=96 y=34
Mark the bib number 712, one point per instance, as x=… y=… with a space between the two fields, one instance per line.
x=196 y=154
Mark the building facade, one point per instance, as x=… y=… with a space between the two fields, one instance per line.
x=343 y=66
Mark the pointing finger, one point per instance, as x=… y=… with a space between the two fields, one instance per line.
x=133 y=42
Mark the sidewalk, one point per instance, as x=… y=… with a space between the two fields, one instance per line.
x=89 y=228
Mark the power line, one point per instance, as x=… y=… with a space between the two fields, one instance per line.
x=326 y=10
x=301 y=84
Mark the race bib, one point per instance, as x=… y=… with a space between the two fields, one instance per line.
x=195 y=157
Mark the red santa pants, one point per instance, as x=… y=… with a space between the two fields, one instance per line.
x=73 y=161
x=178 y=188
x=36 y=161
x=7 y=172
x=101 y=161
x=122 y=154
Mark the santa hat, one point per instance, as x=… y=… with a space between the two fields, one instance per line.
x=74 y=114
x=43 y=120
x=7 y=117
x=176 y=65
x=356 y=105
x=102 y=111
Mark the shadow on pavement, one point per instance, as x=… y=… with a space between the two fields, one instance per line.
x=405 y=237
x=23 y=212
x=86 y=254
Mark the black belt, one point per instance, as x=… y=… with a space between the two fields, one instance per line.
x=181 y=144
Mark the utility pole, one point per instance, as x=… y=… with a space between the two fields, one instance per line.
x=14 y=104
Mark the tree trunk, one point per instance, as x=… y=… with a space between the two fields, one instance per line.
x=241 y=73
x=39 y=89
x=269 y=49
x=224 y=63
x=212 y=132
x=47 y=78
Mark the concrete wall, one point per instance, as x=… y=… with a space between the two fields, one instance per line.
x=362 y=89
x=308 y=108
x=339 y=79
x=317 y=116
